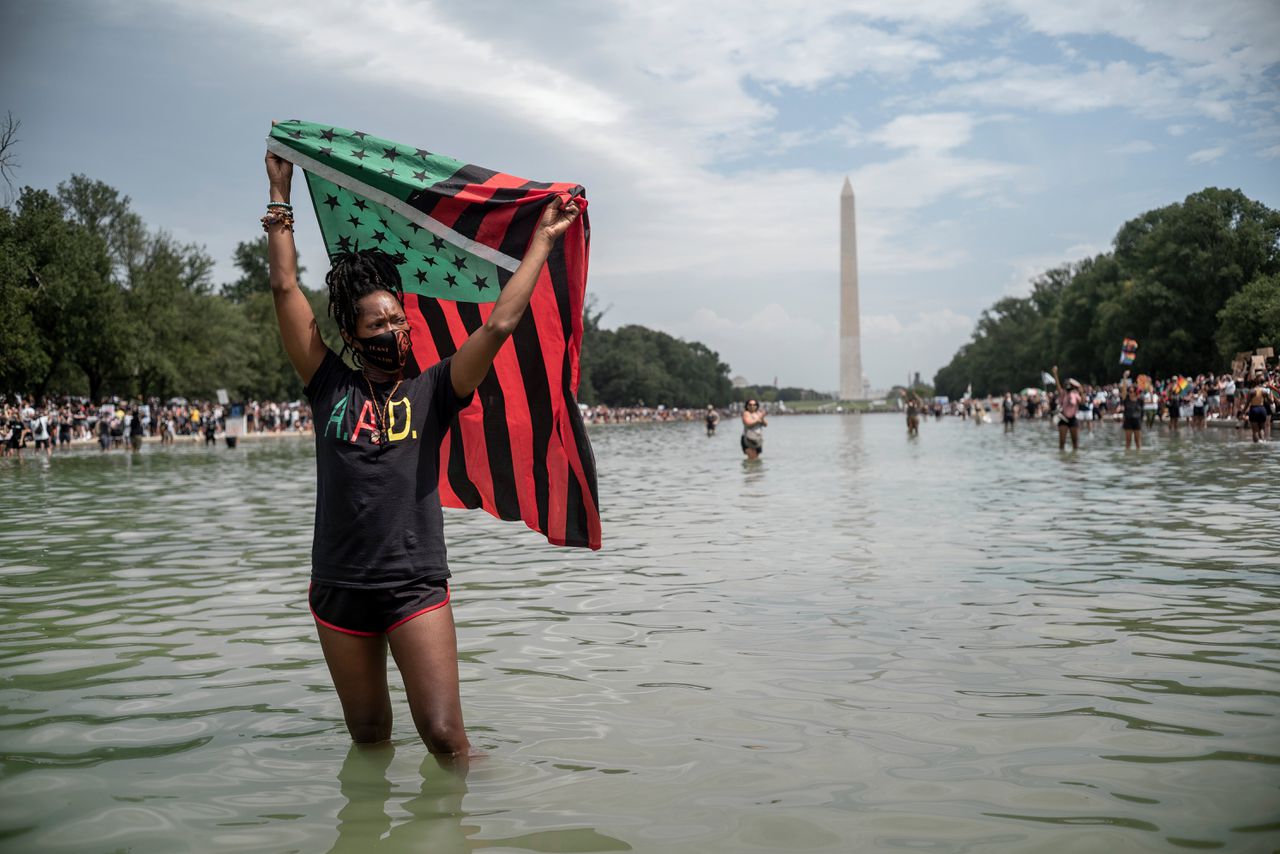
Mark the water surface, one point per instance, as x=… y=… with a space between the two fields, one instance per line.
x=965 y=642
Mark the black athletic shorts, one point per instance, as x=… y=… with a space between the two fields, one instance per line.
x=1132 y=423
x=372 y=612
x=1073 y=421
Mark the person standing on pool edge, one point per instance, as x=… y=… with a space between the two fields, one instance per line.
x=379 y=570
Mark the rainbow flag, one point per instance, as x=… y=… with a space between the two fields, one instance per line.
x=1128 y=351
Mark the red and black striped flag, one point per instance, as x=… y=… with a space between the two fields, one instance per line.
x=458 y=233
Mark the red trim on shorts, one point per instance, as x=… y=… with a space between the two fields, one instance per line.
x=329 y=625
x=398 y=623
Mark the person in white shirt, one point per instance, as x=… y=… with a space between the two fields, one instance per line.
x=40 y=430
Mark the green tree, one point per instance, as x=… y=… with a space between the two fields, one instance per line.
x=182 y=333
x=77 y=308
x=1170 y=274
x=1251 y=318
x=250 y=258
x=591 y=346
x=102 y=211
x=1185 y=261
x=633 y=365
x=261 y=351
x=24 y=360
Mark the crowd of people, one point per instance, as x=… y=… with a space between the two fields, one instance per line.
x=50 y=423
x=1137 y=402
x=602 y=414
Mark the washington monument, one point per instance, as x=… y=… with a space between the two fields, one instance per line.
x=850 y=326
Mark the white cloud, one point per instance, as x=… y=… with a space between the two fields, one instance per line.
x=929 y=132
x=653 y=102
x=1136 y=146
x=926 y=323
x=846 y=132
x=781 y=342
x=1235 y=41
x=1026 y=269
x=658 y=123
x=770 y=320
x=892 y=347
x=922 y=178
x=772 y=341
x=1206 y=155
x=1150 y=91
x=1269 y=153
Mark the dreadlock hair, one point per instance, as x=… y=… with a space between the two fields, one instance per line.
x=353 y=276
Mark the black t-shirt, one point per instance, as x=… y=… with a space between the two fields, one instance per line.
x=378 y=517
x=1132 y=408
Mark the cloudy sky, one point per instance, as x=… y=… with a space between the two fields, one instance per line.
x=986 y=140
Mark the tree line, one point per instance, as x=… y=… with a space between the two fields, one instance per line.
x=1194 y=282
x=93 y=302
x=637 y=366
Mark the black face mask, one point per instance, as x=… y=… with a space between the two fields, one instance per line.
x=387 y=352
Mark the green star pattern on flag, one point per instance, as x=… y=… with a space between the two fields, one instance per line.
x=432 y=261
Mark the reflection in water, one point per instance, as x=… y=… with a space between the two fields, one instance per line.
x=363 y=781
x=434 y=819
x=960 y=643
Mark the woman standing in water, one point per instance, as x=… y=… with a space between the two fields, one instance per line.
x=1131 y=409
x=913 y=413
x=1069 y=399
x=378 y=565
x=753 y=420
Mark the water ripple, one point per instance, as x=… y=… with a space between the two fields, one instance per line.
x=968 y=642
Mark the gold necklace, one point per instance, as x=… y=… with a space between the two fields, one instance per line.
x=380 y=419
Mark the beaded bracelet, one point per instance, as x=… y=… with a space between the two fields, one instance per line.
x=277 y=217
x=283 y=205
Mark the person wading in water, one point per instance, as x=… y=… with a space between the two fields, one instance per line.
x=1068 y=411
x=913 y=413
x=753 y=422
x=379 y=570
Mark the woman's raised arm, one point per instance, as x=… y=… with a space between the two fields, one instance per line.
x=298 y=328
x=472 y=361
